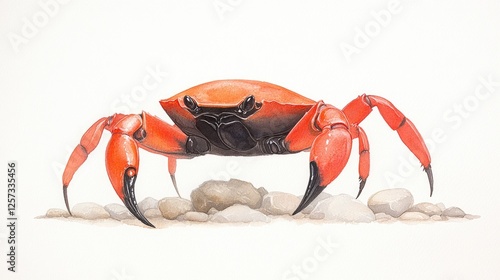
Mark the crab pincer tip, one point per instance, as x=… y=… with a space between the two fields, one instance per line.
x=313 y=188
x=130 y=201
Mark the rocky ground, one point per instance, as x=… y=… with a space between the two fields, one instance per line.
x=236 y=201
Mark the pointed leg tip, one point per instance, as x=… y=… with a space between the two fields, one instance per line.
x=174 y=182
x=362 y=183
x=428 y=170
x=65 y=193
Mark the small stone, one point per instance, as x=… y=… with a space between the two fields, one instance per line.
x=173 y=207
x=212 y=211
x=153 y=213
x=454 y=212
x=118 y=211
x=413 y=216
x=222 y=194
x=471 y=217
x=441 y=206
x=196 y=216
x=392 y=202
x=313 y=204
x=279 y=203
x=427 y=208
x=147 y=203
x=299 y=216
x=342 y=208
x=239 y=213
x=262 y=191
x=89 y=211
x=56 y=213
x=382 y=217
x=436 y=218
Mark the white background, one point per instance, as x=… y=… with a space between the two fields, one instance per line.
x=63 y=66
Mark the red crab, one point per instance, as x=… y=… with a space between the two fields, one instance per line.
x=243 y=118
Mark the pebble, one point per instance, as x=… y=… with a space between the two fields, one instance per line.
x=454 y=212
x=153 y=213
x=56 y=213
x=436 y=218
x=342 y=208
x=383 y=217
x=239 y=213
x=173 y=207
x=413 y=216
x=279 y=203
x=196 y=216
x=262 y=191
x=89 y=211
x=212 y=211
x=393 y=202
x=441 y=206
x=222 y=194
x=147 y=203
x=118 y=211
x=471 y=217
x=427 y=208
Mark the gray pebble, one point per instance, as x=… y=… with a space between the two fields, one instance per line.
x=196 y=216
x=222 y=194
x=56 y=213
x=393 y=202
x=173 y=207
x=454 y=212
x=118 y=212
x=89 y=211
x=279 y=203
x=147 y=203
x=414 y=216
x=342 y=208
x=427 y=208
x=239 y=213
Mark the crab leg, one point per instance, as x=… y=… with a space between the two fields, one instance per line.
x=358 y=109
x=364 y=156
x=172 y=166
x=87 y=144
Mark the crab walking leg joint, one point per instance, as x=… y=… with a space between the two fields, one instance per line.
x=243 y=118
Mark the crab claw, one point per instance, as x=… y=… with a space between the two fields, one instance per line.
x=129 y=195
x=329 y=154
x=122 y=164
x=313 y=188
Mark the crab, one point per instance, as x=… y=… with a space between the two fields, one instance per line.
x=243 y=118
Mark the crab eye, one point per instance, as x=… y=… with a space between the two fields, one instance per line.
x=247 y=105
x=190 y=103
